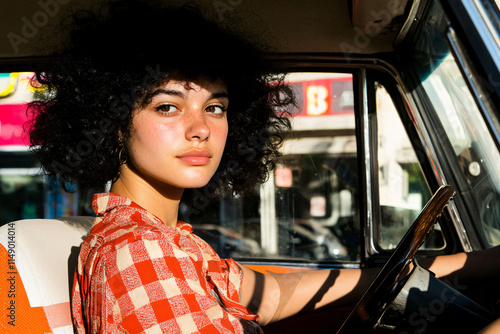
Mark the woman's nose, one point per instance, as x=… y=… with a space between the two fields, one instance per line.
x=197 y=127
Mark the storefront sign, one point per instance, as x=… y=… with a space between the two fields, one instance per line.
x=12 y=119
x=324 y=96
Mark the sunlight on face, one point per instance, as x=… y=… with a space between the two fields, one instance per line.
x=179 y=137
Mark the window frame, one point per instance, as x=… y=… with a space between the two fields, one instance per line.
x=411 y=118
x=365 y=71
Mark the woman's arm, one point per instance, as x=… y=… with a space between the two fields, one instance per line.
x=493 y=328
x=274 y=297
x=277 y=296
x=476 y=274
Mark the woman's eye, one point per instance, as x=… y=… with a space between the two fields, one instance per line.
x=166 y=108
x=216 y=109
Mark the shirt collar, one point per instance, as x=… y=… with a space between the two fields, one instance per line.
x=105 y=202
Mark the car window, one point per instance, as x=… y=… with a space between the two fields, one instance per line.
x=402 y=188
x=466 y=144
x=19 y=173
x=473 y=148
x=24 y=191
x=308 y=209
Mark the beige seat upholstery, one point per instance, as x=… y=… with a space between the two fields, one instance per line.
x=40 y=272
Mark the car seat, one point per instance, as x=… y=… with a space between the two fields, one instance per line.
x=37 y=263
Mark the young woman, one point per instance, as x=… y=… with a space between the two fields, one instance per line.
x=162 y=101
x=159 y=100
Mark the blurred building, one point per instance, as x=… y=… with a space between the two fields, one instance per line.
x=24 y=191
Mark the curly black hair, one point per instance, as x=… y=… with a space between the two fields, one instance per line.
x=115 y=58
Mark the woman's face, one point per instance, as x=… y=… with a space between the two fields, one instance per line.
x=178 y=139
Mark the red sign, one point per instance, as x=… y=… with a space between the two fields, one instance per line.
x=12 y=119
x=324 y=96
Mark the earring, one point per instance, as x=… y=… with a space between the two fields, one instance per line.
x=122 y=153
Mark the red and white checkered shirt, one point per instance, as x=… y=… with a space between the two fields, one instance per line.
x=137 y=275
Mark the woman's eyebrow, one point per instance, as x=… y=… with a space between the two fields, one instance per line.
x=167 y=92
x=219 y=95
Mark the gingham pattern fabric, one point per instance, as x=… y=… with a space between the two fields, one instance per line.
x=137 y=275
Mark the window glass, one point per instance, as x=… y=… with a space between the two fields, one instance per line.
x=474 y=151
x=24 y=191
x=316 y=198
x=466 y=145
x=308 y=210
x=403 y=191
x=21 y=186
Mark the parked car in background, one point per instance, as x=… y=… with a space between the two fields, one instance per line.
x=226 y=242
x=395 y=99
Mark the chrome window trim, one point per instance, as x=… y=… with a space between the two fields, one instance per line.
x=481 y=96
x=317 y=265
x=485 y=29
x=370 y=248
x=459 y=227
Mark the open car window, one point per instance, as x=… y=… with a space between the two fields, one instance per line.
x=25 y=192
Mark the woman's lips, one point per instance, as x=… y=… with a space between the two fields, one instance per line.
x=196 y=157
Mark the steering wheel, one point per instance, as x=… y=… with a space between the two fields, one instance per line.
x=380 y=294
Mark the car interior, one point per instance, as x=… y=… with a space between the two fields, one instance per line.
x=393 y=155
